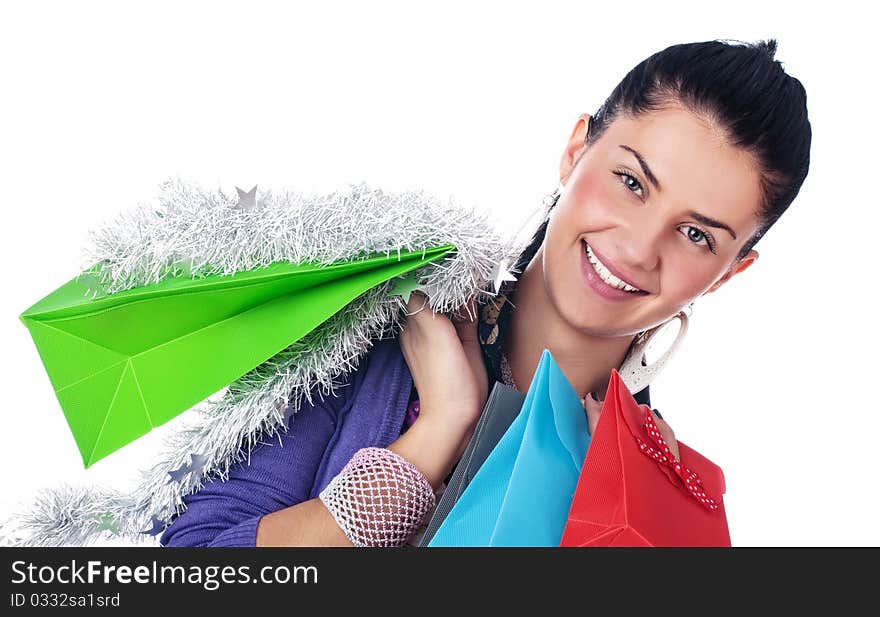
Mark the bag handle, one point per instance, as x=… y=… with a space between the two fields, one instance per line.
x=634 y=370
x=663 y=455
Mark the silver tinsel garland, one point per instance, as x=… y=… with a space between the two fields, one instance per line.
x=199 y=233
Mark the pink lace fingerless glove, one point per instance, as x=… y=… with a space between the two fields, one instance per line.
x=379 y=498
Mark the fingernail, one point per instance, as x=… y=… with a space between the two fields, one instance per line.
x=659 y=415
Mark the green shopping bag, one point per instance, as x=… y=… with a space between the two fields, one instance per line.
x=126 y=362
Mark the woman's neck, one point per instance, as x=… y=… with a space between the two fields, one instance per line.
x=535 y=325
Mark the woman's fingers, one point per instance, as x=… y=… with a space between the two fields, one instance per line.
x=593 y=408
x=419 y=318
x=466 y=327
x=466 y=323
x=447 y=371
x=417 y=304
x=665 y=431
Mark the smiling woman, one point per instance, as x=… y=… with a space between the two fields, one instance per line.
x=649 y=217
x=663 y=194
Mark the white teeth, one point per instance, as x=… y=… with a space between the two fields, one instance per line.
x=605 y=273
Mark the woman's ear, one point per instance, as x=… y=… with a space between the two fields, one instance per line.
x=735 y=269
x=575 y=146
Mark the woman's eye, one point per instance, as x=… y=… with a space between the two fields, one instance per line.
x=629 y=182
x=698 y=236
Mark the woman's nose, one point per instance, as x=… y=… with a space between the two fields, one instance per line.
x=641 y=248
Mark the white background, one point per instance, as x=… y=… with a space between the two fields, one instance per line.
x=101 y=102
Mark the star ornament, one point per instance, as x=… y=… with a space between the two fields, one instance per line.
x=500 y=274
x=106 y=523
x=405 y=285
x=157 y=526
x=247 y=200
x=198 y=462
x=178 y=474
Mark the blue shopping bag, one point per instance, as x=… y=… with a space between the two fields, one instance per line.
x=522 y=494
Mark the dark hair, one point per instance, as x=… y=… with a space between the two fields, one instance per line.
x=739 y=87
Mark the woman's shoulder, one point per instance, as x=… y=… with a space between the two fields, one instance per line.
x=383 y=370
x=383 y=355
x=380 y=370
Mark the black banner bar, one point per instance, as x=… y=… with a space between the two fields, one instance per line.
x=229 y=579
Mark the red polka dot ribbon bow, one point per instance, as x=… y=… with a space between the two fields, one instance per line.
x=663 y=455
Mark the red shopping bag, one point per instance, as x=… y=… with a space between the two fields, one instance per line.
x=632 y=492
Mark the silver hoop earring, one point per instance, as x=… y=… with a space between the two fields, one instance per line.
x=636 y=373
x=550 y=199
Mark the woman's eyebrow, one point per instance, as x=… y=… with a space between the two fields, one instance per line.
x=705 y=220
x=651 y=177
x=702 y=218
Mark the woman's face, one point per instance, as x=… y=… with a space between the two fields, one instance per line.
x=652 y=223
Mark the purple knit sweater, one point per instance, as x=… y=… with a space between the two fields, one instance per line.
x=296 y=465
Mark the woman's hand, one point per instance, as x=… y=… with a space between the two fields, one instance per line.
x=594 y=408
x=446 y=363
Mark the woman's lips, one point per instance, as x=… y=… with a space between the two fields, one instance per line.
x=601 y=287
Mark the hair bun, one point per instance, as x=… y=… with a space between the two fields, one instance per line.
x=768 y=47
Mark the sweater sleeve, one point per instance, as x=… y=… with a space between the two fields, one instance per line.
x=279 y=473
